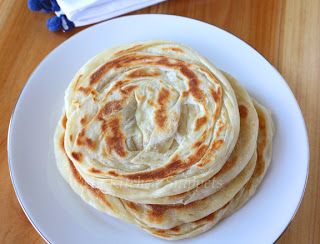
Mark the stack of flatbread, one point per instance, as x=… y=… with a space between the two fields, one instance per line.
x=154 y=134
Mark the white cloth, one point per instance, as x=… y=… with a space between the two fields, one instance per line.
x=84 y=12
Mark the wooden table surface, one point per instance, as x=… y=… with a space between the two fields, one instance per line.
x=286 y=32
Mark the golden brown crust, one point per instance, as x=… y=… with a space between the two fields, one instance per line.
x=200 y=122
x=115 y=140
x=243 y=111
x=141 y=73
x=83 y=140
x=161 y=114
x=175 y=49
x=77 y=156
x=64 y=121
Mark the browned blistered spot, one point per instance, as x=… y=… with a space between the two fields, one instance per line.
x=211 y=75
x=243 y=111
x=164 y=61
x=85 y=90
x=118 y=84
x=127 y=90
x=115 y=140
x=158 y=209
x=197 y=144
x=64 y=121
x=95 y=171
x=81 y=136
x=221 y=126
x=96 y=76
x=143 y=73
x=82 y=182
x=161 y=118
x=163 y=96
x=217 y=98
x=200 y=122
x=216 y=94
x=90 y=143
x=101 y=196
x=104 y=126
x=113 y=173
x=193 y=82
x=83 y=120
x=156 y=212
x=62 y=142
x=175 y=229
x=159 y=232
x=217 y=111
x=195 y=90
x=77 y=175
x=201 y=139
x=131 y=205
x=93 y=93
x=262 y=125
x=131 y=49
x=109 y=108
x=217 y=144
x=71 y=137
x=175 y=49
x=159 y=173
x=185 y=93
x=161 y=113
x=192 y=159
x=77 y=156
x=83 y=140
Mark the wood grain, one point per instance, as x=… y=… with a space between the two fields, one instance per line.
x=286 y=32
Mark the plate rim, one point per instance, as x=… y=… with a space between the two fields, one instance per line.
x=51 y=53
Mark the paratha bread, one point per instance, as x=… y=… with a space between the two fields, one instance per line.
x=239 y=158
x=168 y=216
x=149 y=120
x=157 y=216
x=119 y=208
x=264 y=152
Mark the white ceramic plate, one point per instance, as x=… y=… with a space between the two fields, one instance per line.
x=60 y=216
